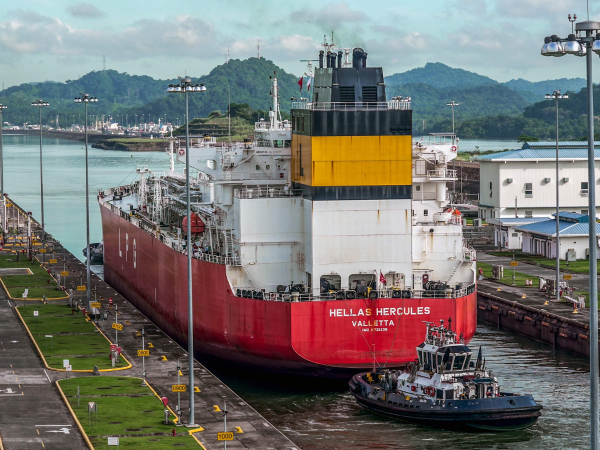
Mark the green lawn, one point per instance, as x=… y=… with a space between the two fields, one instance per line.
x=579 y=266
x=72 y=337
x=508 y=275
x=39 y=284
x=124 y=409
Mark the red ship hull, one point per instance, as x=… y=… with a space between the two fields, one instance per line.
x=316 y=338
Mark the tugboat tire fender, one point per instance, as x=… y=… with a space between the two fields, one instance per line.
x=430 y=390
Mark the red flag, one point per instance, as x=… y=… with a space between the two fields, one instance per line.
x=300 y=83
x=382 y=279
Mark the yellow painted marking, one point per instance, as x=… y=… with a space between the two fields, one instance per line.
x=195 y=430
x=38 y=431
x=43 y=444
x=11 y=366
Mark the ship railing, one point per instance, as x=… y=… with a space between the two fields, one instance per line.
x=241 y=176
x=441 y=173
x=266 y=193
x=353 y=106
x=352 y=295
x=469 y=254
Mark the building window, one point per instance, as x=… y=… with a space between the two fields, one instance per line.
x=268 y=167
x=515 y=235
x=257 y=167
x=584 y=187
x=584 y=212
x=417 y=188
x=528 y=213
x=528 y=188
x=425 y=212
x=490 y=185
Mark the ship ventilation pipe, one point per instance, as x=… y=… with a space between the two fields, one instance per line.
x=321 y=55
x=340 y=58
x=333 y=60
x=357 y=56
x=364 y=59
x=328 y=60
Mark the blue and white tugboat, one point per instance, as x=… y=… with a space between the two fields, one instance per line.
x=445 y=388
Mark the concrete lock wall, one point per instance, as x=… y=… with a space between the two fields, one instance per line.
x=560 y=332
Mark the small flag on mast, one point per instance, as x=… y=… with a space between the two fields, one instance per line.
x=300 y=83
x=382 y=279
x=309 y=83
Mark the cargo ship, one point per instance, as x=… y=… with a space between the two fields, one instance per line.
x=320 y=246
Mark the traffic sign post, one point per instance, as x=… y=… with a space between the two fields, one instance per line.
x=92 y=414
x=178 y=388
x=514 y=264
x=178 y=393
x=116 y=322
x=225 y=436
x=113 y=441
x=35 y=314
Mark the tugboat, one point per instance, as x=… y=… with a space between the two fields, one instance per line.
x=96 y=253
x=445 y=388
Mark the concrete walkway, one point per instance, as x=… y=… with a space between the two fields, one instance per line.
x=32 y=413
x=579 y=280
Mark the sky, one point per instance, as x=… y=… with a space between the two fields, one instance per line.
x=60 y=40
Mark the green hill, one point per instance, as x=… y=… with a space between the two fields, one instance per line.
x=439 y=76
x=541 y=88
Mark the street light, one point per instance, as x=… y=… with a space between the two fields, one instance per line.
x=556 y=95
x=452 y=104
x=2 y=108
x=185 y=86
x=40 y=104
x=85 y=99
x=586 y=38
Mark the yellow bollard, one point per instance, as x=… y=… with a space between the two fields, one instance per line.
x=163 y=358
x=196 y=389
x=150 y=345
x=523 y=296
x=499 y=289
x=238 y=430
x=575 y=311
x=546 y=302
x=216 y=408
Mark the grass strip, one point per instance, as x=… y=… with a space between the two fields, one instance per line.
x=72 y=338
x=40 y=283
x=125 y=409
x=508 y=275
x=579 y=266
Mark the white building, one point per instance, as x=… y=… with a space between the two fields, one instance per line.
x=522 y=183
x=505 y=235
x=540 y=238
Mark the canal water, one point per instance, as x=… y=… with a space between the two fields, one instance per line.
x=314 y=417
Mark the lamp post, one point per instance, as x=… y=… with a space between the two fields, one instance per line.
x=452 y=104
x=556 y=95
x=40 y=104
x=583 y=43
x=185 y=86
x=85 y=99
x=3 y=224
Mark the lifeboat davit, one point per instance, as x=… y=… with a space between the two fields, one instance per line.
x=197 y=224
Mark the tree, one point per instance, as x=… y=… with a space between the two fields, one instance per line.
x=526 y=138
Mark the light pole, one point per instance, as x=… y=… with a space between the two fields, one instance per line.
x=556 y=95
x=2 y=108
x=452 y=104
x=85 y=99
x=39 y=104
x=185 y=86
x=583 y=43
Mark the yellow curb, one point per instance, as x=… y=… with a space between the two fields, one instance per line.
x=129 y=365
x=191 y=433
x=85 y=437
x=176 y=419
x=2 y=446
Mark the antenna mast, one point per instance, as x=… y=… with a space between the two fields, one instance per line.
x=103 y=62
x=258 y=49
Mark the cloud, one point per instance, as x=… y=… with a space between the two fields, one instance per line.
x=32 y=33
x=331 y=15
x=85 y=11
x=282 y=48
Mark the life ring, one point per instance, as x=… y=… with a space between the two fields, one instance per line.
x=181 y=151
x=430 y=390
x=453 y=148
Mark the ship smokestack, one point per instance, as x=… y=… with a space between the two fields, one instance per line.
x=340 y=59
x=364 y=59
x=333 y=60
x=357 y=58
x=328 y=59
x=321 y=54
